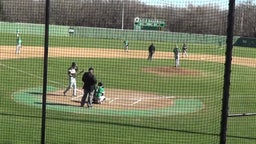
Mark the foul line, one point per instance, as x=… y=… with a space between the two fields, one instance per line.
x=29 y=74
x=241 y=114
x=113 y=100
x=137 y=100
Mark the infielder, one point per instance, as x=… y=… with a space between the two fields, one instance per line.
x=184 y=50
x=72 y=70
x=17 y=33
x=151 y=51
x=126 y=45
x=176 y=56
x=18 y=42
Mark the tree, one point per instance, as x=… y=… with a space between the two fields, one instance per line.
x=246 y=19
x=204 y=19
x=1 y=11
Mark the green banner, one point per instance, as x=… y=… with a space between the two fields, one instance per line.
x=245 y=42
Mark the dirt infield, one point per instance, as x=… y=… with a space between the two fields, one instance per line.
x=117 y=99
x=8 y=52
x=120 y=99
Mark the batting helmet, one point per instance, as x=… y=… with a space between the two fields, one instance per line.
x=91 y=68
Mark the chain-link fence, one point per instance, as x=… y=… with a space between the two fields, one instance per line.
x=79 y=71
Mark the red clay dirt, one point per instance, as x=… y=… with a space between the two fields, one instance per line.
x=172 y=71
x=116 y=98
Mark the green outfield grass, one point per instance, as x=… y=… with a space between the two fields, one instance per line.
x=21 y=124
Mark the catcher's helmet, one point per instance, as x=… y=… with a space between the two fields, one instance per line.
x=100 y=84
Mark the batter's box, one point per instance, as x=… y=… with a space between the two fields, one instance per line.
x=79 y=96
x=140 y=102
x=124 y=101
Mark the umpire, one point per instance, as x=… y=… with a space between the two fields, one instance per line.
x=151 y=51
x=89 y=87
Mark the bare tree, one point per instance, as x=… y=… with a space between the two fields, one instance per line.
x=1 y=11
x=204 y=19
x=246 y=19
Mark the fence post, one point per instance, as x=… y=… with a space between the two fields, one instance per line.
x=46 y=40
x=227 y=73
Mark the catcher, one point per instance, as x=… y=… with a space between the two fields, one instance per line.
x=99 y=95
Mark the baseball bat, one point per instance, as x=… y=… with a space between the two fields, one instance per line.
x=80 y=72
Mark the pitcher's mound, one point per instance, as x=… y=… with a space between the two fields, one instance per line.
x=172 y=71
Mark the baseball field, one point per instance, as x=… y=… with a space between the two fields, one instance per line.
x=147 y=101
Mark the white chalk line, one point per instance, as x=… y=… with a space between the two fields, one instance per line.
x=145 y=98
x=78 y=98
x=136 y=100
x=35 y=76
x=29 y=74
x=113 y=100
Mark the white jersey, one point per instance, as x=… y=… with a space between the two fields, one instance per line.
x=72 y=71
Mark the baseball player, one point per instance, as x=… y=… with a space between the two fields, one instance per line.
x=184 y=49
x=151 y=51
x=126 y=45
x=18 y=42
x=89 y=87
x=17 y=33
x=72 y=70
x=176 y=56
x=99 y=95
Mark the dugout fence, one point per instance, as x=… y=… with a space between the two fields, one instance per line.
x=158 y=98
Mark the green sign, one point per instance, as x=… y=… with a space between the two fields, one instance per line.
x=148 y=24
x=245 y=42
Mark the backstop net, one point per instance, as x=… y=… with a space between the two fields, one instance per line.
x=128 y=71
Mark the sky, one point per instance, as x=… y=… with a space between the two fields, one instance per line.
x=184 y=3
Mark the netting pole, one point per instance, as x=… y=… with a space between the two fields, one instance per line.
x=227 y=73
x=46 y=42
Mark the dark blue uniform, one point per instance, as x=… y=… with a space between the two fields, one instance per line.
x=89 y=87
x=151 y=51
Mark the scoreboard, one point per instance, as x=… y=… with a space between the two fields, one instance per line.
x=149 y=24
